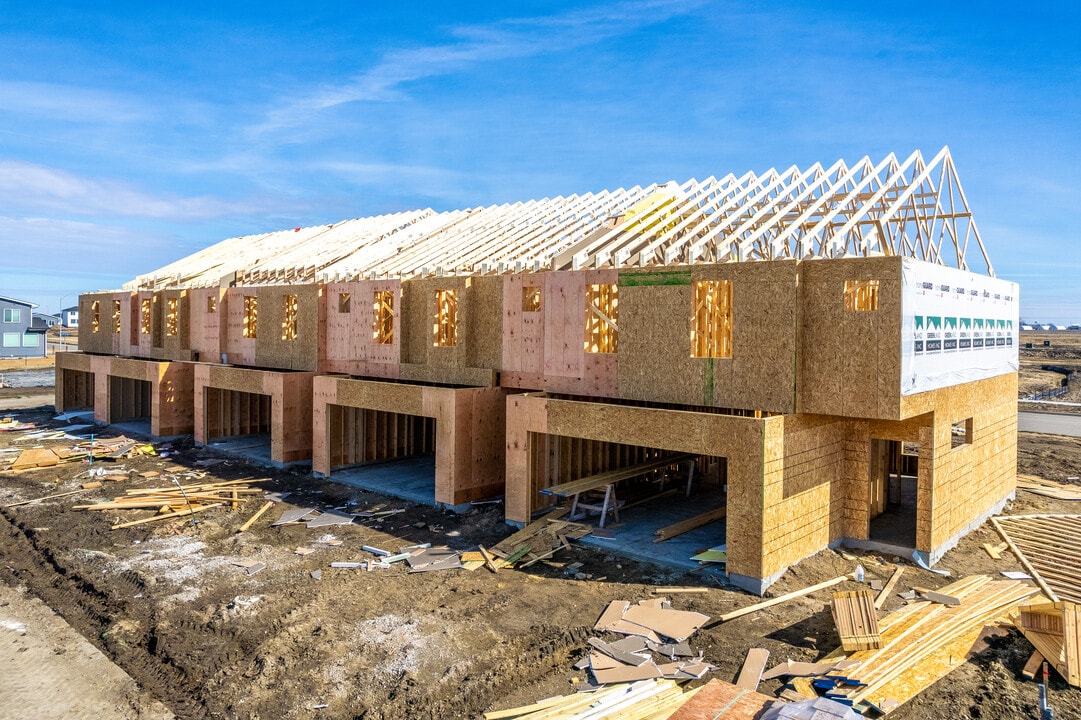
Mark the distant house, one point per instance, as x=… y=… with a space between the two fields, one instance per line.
x=17 y=336
x=1026 y=326
x=70 y=317
x=44 y=320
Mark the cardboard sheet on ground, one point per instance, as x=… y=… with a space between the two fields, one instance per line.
x=675 y=624
x=608 y=670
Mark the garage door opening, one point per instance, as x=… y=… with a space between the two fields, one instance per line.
x=384 y=452
x=78 y=390
x=130 y=404
x=238 y=422
x=893 y=493
x=656 y=504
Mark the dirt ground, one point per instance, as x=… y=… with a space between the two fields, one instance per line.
x=1063 y=350
x=209 y=641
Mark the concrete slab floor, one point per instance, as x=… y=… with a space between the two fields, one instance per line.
x=410 y=479
x=633 y=535
x=251 y=447
x=141 y=428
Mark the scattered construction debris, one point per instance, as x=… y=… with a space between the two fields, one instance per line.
x=94 y=449
x=1047 y=547
x=654 y=698
x=856 y=619
x=1048 y=488
x=176 y=501
x=923 y=642
x=537 y=541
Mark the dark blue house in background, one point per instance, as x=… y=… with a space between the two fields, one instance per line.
x=17 y=337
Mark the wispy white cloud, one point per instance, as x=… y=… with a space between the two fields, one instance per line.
x=69 y=103
x=472 y=45
x=30 y=188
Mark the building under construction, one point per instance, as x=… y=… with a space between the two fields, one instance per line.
x=828 y=346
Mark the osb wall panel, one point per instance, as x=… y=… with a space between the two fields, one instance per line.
x=174 y=398
x=141 y=344
x=205 y=333
x=238 y=350
x=350 y=345
x=300 y=353
x=176 y=346
x=970 y=479
x=484 y=322
x=850 y=362
x=803 y=488
x=655 y=360
x=523 y=332
x=104 y=341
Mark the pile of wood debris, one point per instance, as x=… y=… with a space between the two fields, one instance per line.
x=95 y=449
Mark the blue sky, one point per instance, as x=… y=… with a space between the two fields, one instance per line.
x=136 y=133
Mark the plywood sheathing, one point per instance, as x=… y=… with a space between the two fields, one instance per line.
x=850 y=362
x=655 y=360
x=105 y=340
x=74 y=384
x=206 y=327
x=291 y=405
x=350 y=345
x=301 y=352
x=236 y=349
x=740 y=439
x=166 y=346
x=469 y=447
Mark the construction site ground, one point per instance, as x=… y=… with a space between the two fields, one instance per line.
x=200 y=636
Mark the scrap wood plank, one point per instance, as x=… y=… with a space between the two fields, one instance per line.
x=35 y=458
x=995 y=551
x=185 y=513
x=50 y=497
x=856 y=621
x=258 y=513
x=1033 y=665
x=510 y=543
x=782 y=598
x=890 y=585
x=684 y=526
x=753 y=666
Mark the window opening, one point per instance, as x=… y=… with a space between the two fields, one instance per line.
x=116 y=316
x=171 y=317
x=251 y=311
x=446 y=318
x=344 y=302
x=12 y=315
x=602 y=318
x=144 y=316
x=211 y=304
x=95 y=319
x=289 y=317
x=961 y=433
x=383 y=330
x=711 y=323
x=531 y=298
x=861 y=295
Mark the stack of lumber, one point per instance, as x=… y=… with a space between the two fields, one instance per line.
x=1047 y=546
x=643 y=700
x=923 y=642
x=857 y=620
x=1048 y=488
x=537 y=541
x=182 y=500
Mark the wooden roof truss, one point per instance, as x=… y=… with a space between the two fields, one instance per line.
x=912 y=207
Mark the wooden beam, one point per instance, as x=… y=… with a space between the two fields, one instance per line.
x=783 y=598
x=256 y=516
x=683 y=526
x=890 y=585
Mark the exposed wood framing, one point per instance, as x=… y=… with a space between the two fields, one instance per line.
x=116 y=317
x=289 y=317
x=914 y=207
x=172 y=319
x=383 y=306
x=445 y=328
x=144 y=316
x=602 y=318
x=251 y=316
x=861 y=295
x=711 y=324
